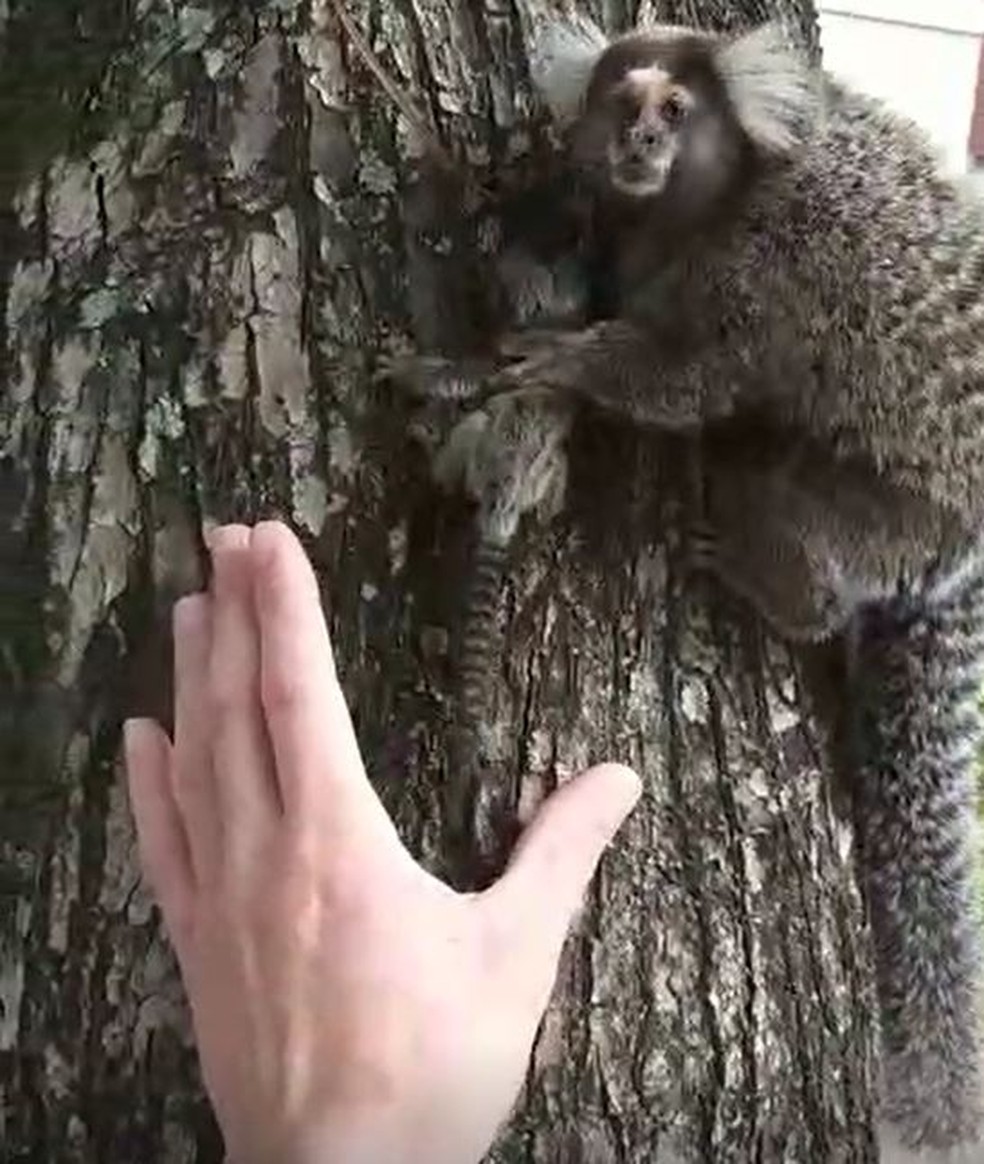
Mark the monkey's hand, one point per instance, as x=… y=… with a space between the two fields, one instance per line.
x=625 y=368
x=462 y=379
x=436 y=377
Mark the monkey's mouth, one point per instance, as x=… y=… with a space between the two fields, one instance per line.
x=640 y=178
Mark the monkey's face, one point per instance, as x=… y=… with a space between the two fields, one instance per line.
x=648 y=110
x=654 y=117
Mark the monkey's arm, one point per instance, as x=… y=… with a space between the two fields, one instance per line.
x=619 y=366
x=635 y=369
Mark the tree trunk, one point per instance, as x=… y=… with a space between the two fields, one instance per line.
x=207 y=226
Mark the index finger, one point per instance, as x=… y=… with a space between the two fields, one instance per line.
x=319 y=767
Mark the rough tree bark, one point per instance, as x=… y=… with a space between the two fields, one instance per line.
x=207 y=225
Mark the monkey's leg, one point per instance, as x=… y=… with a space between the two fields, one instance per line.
x=772 y=571
x=756 y=540
x=906 y=735
x=807 y=538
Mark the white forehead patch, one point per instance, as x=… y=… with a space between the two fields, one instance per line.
x=647 y=78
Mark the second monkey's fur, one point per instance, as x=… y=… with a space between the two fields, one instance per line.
x=773 y=245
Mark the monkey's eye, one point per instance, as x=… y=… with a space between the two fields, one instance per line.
x=673 y=109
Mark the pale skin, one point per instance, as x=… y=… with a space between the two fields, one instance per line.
x=348 y=1006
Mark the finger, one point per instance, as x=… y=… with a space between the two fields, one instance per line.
x=164 y=852
x=194 y=788
x=319 y=767
x=556 y=857
x=245 y=782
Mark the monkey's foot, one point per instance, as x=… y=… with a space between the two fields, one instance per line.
x=543 y=358
x=605 y=363
x=435 y=377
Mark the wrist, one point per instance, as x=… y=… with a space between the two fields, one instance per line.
x=374 y=1139
x=354 y=1143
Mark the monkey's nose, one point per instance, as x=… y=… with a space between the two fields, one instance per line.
x=644 y=139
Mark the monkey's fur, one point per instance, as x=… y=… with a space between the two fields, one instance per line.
x=774 y=248
x=803 y=257
x=890 y=636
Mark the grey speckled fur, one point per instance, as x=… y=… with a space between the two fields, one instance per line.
x=917 y=729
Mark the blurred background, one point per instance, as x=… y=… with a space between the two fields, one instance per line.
x=925 y=58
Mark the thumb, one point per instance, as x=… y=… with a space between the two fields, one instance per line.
x=556 y=857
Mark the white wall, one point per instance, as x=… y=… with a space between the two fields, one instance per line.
x=920 y=56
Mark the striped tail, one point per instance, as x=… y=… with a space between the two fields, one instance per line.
x=479 y=645
x=480 y=839
x=917 y=729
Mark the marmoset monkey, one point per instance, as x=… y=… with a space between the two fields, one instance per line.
x=772 y=245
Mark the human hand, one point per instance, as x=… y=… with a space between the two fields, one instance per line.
x=348 y=1006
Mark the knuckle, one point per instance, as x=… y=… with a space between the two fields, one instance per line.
x=231 y=691
x=282 y=690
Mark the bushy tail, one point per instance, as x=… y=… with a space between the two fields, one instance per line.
x=914 y=738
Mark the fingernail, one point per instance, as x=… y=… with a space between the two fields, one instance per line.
x=190 y=613
x=232 y=536
x=131 y=733
x=625 y=790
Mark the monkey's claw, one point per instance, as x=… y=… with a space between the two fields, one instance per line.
x=433 y=377
x=421 y=377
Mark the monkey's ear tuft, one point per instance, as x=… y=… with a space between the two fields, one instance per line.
x=772 y=87
x=564 y=53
